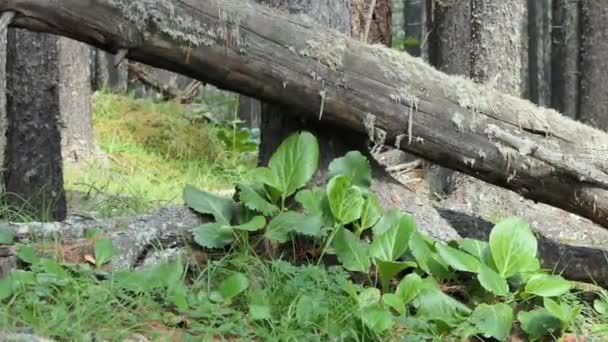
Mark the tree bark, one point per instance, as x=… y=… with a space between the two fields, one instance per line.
x=33 y=163
x=594 y=64
x=392 y=97
x=3 y=122
x=75 y=98
x=500 y=45
x=565 y=57
x=539 y=31
x=105 y=75
x=381 y=26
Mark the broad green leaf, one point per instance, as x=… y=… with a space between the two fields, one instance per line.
x=394 y=302
x=538 y=323
x=387 y=221
x=392 y=244
x=474 y=247
x=435 y=305
x=388 y=269
x=103 y=251
x=547 y=285
x=601 y=306
x=377 y=318
x=372 y=211
x=352 y=252
x=263 y=175
x=255 y=224
x=27 y=254
x=420 y=250
x=259 y=312
x=207 y=203
x=315 y=202
x=6 y=287
x=493 y=320
x=232 y=286
x=492 y=281
x=458 y=260
x=355 y=166
x=252 y=199
x=345 y=201
x=409 y=287
x=513 y=247
x=311 y=200
x=563 y=311
x=368 y=297
x=280 y=228
x=7 y=236
x=295 y=162
x=213 y=235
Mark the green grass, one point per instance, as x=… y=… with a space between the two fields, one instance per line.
x=151 y=151
x=282 y=303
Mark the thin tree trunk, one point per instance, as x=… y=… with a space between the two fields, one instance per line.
x=565 y=57
x=75 y=100
x=33 y=163
x=3 y=123
x=594 y=64
x=539 y=31
x=105 y=75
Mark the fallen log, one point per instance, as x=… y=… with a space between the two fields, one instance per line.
x=393 y=97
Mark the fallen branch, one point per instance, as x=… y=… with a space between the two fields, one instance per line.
x=288 y=60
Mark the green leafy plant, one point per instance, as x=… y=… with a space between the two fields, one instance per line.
x=345 y=219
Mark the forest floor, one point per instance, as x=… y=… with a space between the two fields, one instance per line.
x=388 y=282
x=150 y=150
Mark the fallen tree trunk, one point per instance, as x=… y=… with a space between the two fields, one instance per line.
x=391 y=96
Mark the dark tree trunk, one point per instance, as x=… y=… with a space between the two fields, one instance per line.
x=2 y=102
x=33 y=162
x=275 y=126
x=539 y=31
x=105 y=75
x=381 y=25
x=594 y=64
x=75 y=100
x=565 y=57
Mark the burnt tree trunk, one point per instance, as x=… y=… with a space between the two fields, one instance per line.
x=105 y=75
x=539 y=31
x=565 y=49
x=75 y=98
x=33 y=163
x=3 y=122
x=275 y=125
x=594 y=64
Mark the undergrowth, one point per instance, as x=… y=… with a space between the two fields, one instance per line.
x=150 y=150
x=289 y=262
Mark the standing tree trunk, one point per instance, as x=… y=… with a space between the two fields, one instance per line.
x=275 y=126
x=2 y=102
x=336 y=15
x=594 y=64
x=499 y=48
x=565 y=57
x=33 y=162
x=539 y=31
x=75 y=100
x=105 y=75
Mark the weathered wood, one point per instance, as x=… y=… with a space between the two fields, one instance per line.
x=288 y=60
